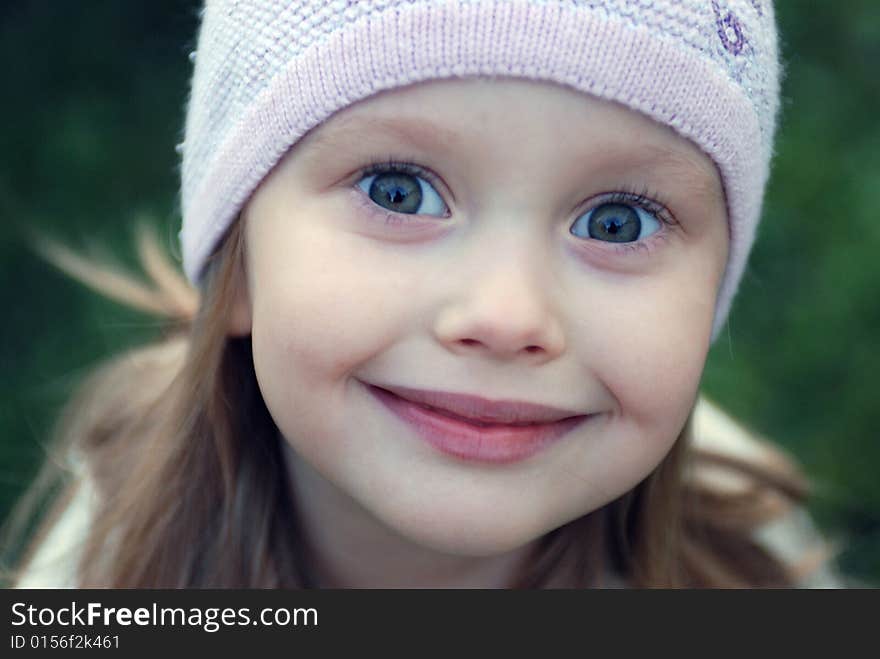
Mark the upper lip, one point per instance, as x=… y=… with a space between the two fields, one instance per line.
x=477 y=408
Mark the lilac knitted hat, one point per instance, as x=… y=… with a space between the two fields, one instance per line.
x=267 y=71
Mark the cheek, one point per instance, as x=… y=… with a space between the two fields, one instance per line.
x=652 y=355
x=316 y=319
x=646 y=343
x=323 y=301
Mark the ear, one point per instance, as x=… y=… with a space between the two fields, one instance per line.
x=240 y=313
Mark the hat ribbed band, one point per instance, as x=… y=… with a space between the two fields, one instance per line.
x=588 y=50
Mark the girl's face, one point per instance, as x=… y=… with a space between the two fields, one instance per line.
x=540 y=246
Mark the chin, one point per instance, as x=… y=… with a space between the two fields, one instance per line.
x=472 y=536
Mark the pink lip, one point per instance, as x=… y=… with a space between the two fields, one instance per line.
x=478 y=440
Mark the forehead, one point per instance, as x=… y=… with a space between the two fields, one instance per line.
x=503 y=116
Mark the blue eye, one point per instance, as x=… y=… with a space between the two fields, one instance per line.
x=395 y=189
x=616 y=222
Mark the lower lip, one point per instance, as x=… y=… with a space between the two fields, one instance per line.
x=496 y=443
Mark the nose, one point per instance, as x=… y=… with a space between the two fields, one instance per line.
x=502 y=310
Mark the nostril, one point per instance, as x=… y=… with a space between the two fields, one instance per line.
x=530 y=349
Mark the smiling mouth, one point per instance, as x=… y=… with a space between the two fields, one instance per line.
x=479 y=411
x=476 y=422
x=478 y=440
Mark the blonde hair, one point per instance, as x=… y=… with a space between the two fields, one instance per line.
x=194 y=492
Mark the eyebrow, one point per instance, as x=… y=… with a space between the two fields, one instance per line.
x=353 y=129
x=697 y=177
x=694 y=176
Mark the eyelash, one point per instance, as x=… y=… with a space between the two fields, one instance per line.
x=644 y=198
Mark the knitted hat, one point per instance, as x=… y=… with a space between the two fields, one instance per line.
x=267 y=71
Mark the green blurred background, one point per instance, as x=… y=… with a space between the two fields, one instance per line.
x=93 y=106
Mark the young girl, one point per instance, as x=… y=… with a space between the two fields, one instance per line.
x=456 y=268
